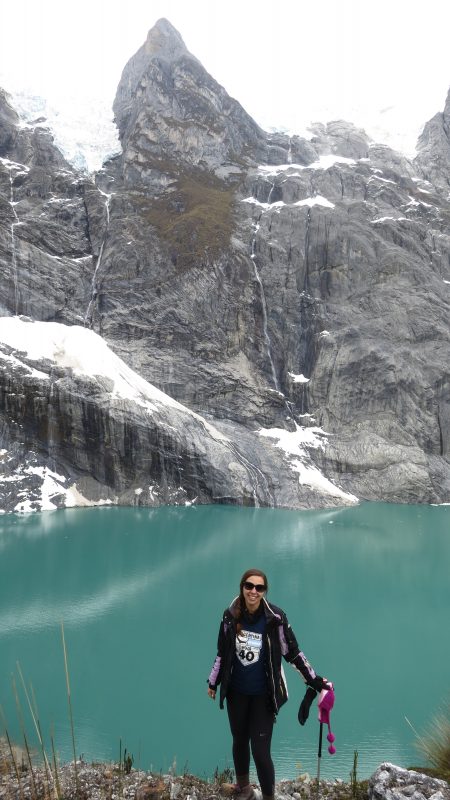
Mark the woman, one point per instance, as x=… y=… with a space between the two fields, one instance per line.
x=253 y=636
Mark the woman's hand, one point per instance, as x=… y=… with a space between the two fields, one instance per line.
x=319 y=684
x=211 y=693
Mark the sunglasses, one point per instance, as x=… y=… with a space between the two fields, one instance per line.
x=258 y=586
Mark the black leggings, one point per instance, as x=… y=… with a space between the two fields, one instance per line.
x=251 y=722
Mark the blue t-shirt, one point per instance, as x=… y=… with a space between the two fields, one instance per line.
x=249 y=674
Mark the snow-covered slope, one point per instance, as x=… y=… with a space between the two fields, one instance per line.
x=398 y=125
x=154 y=441
x=84 y=130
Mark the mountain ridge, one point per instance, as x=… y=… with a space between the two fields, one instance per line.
x=221 y=263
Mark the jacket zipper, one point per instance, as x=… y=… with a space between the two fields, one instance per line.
x=271 y=674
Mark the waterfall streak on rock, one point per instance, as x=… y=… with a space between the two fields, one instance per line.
x=258 y=474
x=88 y=320
x=264 y=311
x=13 y=242
x=308 y=223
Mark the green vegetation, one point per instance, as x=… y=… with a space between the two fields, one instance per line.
x=194 y=219
x=223 y=776
x=434 y=745
x=358 y=789
x=69 y=701
x=127 y=762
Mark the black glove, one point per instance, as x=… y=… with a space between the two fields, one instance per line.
x=319 y=683
x=305 y=705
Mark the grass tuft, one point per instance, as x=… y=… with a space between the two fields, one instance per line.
x=434 y=744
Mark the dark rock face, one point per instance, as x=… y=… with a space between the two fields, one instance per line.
x=264 y=281
x=80 y=427
x=433 y=156
x=45 y=249
x=9 y=120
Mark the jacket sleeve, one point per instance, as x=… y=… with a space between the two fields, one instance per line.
x=215 y=675
x=292 y=653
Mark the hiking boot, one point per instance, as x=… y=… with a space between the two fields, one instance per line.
x=229 y=789
x=239 y=792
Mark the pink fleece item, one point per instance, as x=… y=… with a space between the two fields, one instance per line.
x=326 y=703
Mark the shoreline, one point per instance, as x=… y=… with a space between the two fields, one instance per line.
x=114 y=781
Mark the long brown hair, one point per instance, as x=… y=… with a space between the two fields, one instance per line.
x=245 y=577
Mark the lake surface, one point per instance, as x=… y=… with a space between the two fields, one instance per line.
x=141 y=594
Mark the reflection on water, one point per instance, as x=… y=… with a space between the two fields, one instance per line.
x=141 y=593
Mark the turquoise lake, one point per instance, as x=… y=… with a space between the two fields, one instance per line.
x=141 y=593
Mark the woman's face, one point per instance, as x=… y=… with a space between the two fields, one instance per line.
x=252 y=595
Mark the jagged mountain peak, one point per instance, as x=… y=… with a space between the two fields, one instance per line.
x=163 y=44
x=164 y=41
x=292 y=294
x=168 y=108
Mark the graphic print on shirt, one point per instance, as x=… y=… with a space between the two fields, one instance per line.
x=248 y=647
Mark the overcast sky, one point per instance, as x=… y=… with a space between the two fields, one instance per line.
x=284 y=60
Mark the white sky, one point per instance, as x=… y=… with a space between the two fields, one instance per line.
x=287 y=62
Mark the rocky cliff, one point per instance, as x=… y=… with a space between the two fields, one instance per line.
x=286 y=298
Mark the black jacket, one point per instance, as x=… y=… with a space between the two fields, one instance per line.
x=280 y=641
